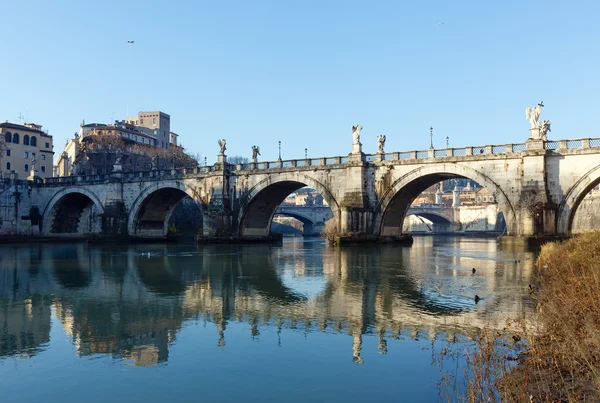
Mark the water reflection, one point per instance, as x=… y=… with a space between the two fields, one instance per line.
x=131 y=301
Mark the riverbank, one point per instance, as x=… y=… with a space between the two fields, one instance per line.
x=561 y=362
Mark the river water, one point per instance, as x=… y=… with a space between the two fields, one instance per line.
x=291 y=323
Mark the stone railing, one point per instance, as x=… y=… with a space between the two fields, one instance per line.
x=514 y=148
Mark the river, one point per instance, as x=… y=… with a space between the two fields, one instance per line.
x=294 y=322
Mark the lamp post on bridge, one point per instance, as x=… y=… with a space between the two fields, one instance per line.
x=306 y=153
x=279 y=142
x=447 y=142
x=431 y=138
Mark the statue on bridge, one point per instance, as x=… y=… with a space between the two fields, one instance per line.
x=381 y=143
x=222 y=144
x=356 y=133
x=544 y=129
x=533 y=114
x=538 y=129
x=255 y=153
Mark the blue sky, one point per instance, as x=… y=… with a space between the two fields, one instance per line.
x=303 y=72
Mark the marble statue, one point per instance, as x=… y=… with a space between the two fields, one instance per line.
x=356 y=133
x=533 y=114
x=33 y=161
x=381 y=143
x=154 y=163
x=544 y=129
x=255 y=153
x=539 y=130
x=222 y=144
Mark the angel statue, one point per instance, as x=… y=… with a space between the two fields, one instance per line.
x=381 y=143
x=356 y=133
x=255 y=153
x=222 y=144
x=544 y=129
x=533 y=114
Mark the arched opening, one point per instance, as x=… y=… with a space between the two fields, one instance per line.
x=33 y=141
x=72 y=213
x=8 y=166
x=445 y=202
x=289 y=198
x=308 y=219
x=586 y=214
x=26 y=140
x=8 y=137
x=576 y=212
x=426 y=222
x=15 y=138
x=163 y=212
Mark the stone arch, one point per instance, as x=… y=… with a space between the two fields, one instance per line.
x=150 y=212
x=259 y=204
x=433 y=217
x=72 y=211
x=395 y=202
x=572 y=199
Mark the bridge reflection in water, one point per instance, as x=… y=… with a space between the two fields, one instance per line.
x=131 y=301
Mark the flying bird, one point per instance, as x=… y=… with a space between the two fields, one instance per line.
x=130 y=41
x=441 y=23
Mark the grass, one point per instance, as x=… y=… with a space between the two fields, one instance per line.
x=562 y=360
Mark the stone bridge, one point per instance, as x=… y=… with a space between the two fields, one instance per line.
x=312 y=217
x=459 y=218
x=538 y=186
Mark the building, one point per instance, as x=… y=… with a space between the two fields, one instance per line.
x=157 y=123
x=148 y=128
x=25 y=144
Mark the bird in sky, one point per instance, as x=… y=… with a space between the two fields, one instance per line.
x=130 y=41
x=441 y=23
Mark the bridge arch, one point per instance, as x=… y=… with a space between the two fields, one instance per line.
x=150 y=212
x=73 y=211
x=573 y=198
x=394 y=203
x=260 y=203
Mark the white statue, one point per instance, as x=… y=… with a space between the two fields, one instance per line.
x=544 y=129
x=356 y=133
x=222 y=144
x=255 y=153
x=533 y=114
x=381 y=143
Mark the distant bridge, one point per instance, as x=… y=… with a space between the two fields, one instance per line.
x=312 y=217
x=460 y=218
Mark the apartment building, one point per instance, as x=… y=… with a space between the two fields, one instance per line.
x=24 y=143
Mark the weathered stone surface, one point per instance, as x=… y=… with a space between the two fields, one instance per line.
x=537 y=190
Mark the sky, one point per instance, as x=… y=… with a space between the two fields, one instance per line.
x=303 y=72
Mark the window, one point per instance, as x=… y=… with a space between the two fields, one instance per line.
x=26 y=140
x=16 y=138
x=43 y=157
x=33 y=141
x=8 y=152
x=43 y=168
x=141 y=121
x=26 y=154
x=478 y=199
x=32 y=155
x=153 y=120
x=47 y=145
x=491 y=198
x=26 y=167
x=484 y=198
x=8 y=165
x=7 y=137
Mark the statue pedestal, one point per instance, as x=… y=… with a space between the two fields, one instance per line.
x=356 y=148
x=34 y=176
x=379 y=156
x=221 y=159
